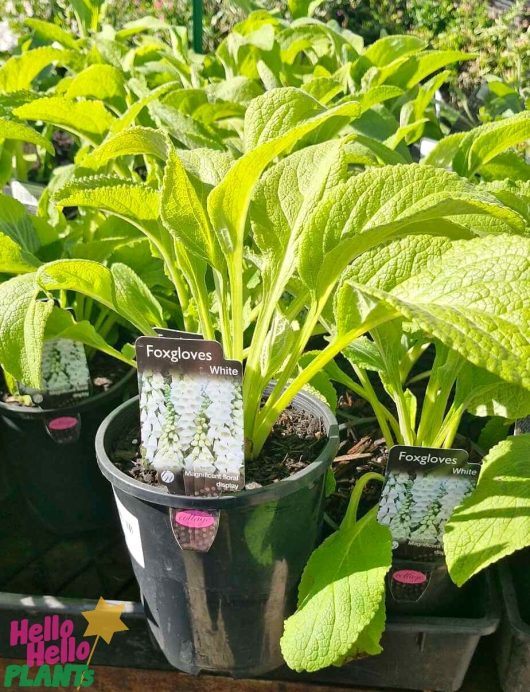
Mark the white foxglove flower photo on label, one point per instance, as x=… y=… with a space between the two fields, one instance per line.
x=192 y=423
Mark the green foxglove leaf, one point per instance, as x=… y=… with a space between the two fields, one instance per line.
x=118 y=288
x=14 y=129
x=467 y=299
x=184 y=215
x=51 y=33
x=103 y=82
x=443 y=153
x=14 y=259
x=130 y=142
x=22 y=324
x=228 y=202
x=494 y=521
x=135 y=202
x=380 y=204
x=484 y=143
x=485 y=394
x=16 y=223
x=128 y=118
x=509 y=164
x=88 y=119
x=390 y=48
x=341 y=598
x=20 y=70
x=423 y=64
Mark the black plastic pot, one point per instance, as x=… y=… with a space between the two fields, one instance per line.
x=513 y=650
x=421 y=652
x=51 y=453
x=221 y=610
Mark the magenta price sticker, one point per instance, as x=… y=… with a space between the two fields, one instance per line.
x=195 y=519
x=194 y=529
x=62 y=423
x=409 y=576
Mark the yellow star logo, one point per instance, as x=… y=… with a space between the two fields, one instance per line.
x=104 y=621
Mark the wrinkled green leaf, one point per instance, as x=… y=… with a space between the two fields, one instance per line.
x=494 y=521
x=341 y=598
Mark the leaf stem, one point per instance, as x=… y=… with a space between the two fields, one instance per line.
x=350 y=518
x=271 y=411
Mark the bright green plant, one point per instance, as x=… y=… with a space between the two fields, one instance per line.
x=227 y=230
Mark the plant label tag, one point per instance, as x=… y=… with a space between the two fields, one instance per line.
x=191 y=415
x=194 y=529
x=423 y=485
x=177 y=334
x=65 y=375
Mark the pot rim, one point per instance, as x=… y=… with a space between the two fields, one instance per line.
x=155 y=494
x=16 y=410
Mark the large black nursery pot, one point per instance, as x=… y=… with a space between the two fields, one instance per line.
x=221 y=610
x=51 y=453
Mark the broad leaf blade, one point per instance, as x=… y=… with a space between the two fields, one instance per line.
x=341 y=598
x=22 y=324
x=89 y=119
x=494 y=521
x=118 y=288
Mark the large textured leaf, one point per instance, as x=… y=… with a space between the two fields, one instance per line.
x=285 y=197
x=467 y=299
x=14 y=259
x=103 y=82
x=341 y=599
x=484 y=394
x=88 y=119
x=118 y=288
x=50 y=32
x=16 y=223
x=14 y=129
x=419 y=66
x=129 y=142
x=390 y=48
x=228 y=202
x=484 y=143
x=184 y=215
x=135 y=202
x=494 y=521
x=375 y=206
x=22 y=324
x=20 y=70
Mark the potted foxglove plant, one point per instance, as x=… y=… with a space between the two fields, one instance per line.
x=255 y=261
x=48 y=430
x=422 y=285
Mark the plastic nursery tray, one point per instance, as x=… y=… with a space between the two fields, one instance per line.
x=513 y=642
x=421 y=652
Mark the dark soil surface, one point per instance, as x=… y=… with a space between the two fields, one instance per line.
x=104 y=370
x=296 y=440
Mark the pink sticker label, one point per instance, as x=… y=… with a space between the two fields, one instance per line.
x=62 y=423
x=409 y=576
x=194 y=518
